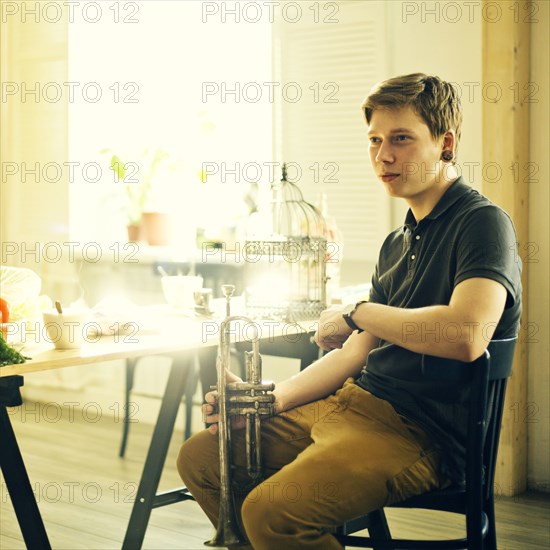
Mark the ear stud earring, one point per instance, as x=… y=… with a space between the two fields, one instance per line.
x=447 y=156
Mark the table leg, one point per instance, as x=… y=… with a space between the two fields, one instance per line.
x=156 y=456
x=207 y=368
x=130 y=372
x=19 y=487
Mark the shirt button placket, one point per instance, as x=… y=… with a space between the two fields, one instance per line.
x=413 y=254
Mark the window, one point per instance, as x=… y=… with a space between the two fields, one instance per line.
x=166 y=72
x=333 y=60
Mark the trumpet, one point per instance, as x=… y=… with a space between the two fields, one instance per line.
x=253 y=399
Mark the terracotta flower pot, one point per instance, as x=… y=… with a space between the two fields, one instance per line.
x=157 y=228
x=135 y=232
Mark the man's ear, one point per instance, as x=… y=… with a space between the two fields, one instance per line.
x=449 y=140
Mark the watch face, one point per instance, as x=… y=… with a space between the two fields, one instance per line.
x=348 y=309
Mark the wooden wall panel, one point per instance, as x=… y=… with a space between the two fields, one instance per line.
x=506 y=97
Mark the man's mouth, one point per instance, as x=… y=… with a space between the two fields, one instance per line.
x=388 y=177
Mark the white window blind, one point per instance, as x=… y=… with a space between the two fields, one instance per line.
x=333 y=62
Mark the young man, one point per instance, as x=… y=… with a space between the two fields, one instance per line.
x=360 y=428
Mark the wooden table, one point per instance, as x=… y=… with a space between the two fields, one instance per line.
x=181 y=338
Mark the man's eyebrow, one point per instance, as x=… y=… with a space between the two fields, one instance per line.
x=395 y=131
x=402 y=131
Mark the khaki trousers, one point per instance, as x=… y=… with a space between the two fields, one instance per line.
x=325 y=463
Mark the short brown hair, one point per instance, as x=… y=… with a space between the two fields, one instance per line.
x=434 y=100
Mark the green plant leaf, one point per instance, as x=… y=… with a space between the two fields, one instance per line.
x=118 y=167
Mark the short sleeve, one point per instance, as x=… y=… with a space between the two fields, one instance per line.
x=376 y=293
x=487 y=247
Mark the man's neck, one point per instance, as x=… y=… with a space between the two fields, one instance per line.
x=421 y=206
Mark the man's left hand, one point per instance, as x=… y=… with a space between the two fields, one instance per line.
x=333 y=330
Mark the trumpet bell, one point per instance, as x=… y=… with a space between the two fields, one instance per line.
x=227 y=536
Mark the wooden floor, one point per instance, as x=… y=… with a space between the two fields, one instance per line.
x=85 y=491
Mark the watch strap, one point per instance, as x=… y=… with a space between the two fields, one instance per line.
x=348 y=317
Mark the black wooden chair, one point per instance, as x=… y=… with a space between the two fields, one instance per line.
x=475 y=499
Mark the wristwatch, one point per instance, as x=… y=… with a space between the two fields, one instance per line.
x=347 y=315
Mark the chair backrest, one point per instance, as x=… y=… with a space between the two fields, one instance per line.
x=487 y=376
x=501 y=356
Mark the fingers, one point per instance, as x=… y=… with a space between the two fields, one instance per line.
x=231 y=376
x=211 y=397
x=328 y=343
x=210 y=415
x=210 y=409
x=213 y=429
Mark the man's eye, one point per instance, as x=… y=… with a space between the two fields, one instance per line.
x=401 y=138
x=374 y=140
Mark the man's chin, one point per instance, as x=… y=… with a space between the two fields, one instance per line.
x=393 y=190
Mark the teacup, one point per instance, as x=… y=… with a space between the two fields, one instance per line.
x=202 y=299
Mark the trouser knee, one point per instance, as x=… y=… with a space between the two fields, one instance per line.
x=263 y=514
x=255 y=514
x=193 y=457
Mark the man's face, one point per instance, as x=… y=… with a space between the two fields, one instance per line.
x=403 y=154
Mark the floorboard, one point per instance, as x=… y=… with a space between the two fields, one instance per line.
x=85 y=492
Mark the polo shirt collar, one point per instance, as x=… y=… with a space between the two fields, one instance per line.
x=457 y=190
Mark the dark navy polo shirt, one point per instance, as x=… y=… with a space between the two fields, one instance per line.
x=464 y=236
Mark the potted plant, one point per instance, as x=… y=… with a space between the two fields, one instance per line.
x=139 y=183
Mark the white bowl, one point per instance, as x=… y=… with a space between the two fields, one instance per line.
x=67 y=330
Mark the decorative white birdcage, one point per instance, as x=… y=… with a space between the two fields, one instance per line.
x=286 y=266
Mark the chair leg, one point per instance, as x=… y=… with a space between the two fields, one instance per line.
x=379 y=533
x=378 y=529
x=474 y=527
x=190 y=389
x=491 y=537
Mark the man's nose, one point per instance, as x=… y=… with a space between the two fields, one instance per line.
x=385 y=154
